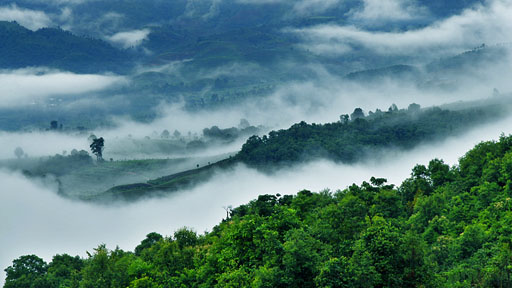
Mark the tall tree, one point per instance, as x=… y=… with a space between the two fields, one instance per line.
x=19 y=152
x=97 y=147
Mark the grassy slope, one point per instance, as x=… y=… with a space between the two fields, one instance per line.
x=169 y=183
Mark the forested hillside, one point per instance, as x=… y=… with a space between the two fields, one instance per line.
x=442 y=227
x=57 y=48
x=354 y=138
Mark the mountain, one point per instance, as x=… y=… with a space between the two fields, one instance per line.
x=56 y=48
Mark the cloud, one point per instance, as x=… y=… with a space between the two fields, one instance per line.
x=28 y=86
x=31 y=19
x=63 y=2
x=322 y=98
x=307 y=7
x=301 y=7
x=378 y=11
x=482 y=24
x=129 y=39
x=39 y=144
x=261 y=1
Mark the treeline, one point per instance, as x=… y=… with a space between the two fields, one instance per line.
x=352 y=138
x=443 y=227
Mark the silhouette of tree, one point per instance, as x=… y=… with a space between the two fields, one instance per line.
x=97 y=147
x=19 y=152
x=358 y=113
x=54 y=125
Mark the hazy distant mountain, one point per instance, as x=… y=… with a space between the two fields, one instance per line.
x=211 y=32
x=57 y=48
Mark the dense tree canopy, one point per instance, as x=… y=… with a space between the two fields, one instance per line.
x=351 y=140
x=442 y=227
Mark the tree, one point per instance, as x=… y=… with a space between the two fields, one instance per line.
x=414 y=108
x=244 y=124
x=97 y=272
x=344 y=118
x=358 y=113
x=176 y=134
x=97 y=147
x=64 y=271
x=19 y=152
x=150 y=240
x=185 y=237
x=54 y=125
x=165 y=134
x=25 y=272
x=301 y=259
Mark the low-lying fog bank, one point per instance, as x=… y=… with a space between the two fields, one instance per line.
x=37 y=221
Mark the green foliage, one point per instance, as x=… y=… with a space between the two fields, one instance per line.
x=344 y=141
x=443 y=227
x=26 y=271
x=350 y=141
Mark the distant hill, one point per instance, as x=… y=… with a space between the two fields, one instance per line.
x=352 y=139
x=470 y=60
x=385 y=72
x=262 y=45
x=56 y=48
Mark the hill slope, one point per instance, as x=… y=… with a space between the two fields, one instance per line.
x=443 y=227
x=57 y=48
x=346 y=141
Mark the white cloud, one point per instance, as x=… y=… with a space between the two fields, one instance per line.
x=388 y=10
x=25 y=86
x=301 y=7
x=306 y=7
x=483 y=24
x=40 y=144
x=64 y=2
x=31 y=19
x=261 y=1
x=129 y=39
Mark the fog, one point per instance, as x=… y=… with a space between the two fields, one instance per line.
x=322 y=99
x=483 y=24
x=377 y=12
x=28 y=86
x=326 y=96
x=32 y=19
x=38 y=144
x=129 y=39
x=38 y=221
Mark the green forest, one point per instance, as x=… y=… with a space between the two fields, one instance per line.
x=359 y=135
x=354 y=138
x=442 y=227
